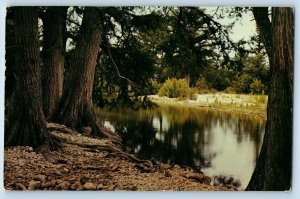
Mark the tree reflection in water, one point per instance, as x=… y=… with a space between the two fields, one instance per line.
x=224 y=145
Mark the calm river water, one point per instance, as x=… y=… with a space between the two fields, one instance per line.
x=217 y=143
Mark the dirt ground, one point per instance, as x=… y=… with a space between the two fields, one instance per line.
x=86 y=163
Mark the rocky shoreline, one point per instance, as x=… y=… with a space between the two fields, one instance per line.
x=79 y=167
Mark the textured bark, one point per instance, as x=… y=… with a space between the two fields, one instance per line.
x=75 y=109
x=274 y=166
x=25 y=121
x=10 y=51
x=54 y=23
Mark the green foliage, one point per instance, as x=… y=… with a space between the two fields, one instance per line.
x=174 y=88
x=242 y=84
x=257 y=87
x=230 y=90
x=192 y=93
x=201 y=83
x=154 y=86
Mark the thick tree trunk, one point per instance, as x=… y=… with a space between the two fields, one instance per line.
x=75 y=109
x=10 y=51
x=274 y=166
x=25 y=121
x=54 y=23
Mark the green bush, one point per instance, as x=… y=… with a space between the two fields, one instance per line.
x=201 y=84
x=192 y=93
x=257 y=87
x=154 y=86
x=242 y=84
x=230 y=90
x=174 y=88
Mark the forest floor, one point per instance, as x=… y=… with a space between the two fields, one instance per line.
x=86 y=163
x=241 y=103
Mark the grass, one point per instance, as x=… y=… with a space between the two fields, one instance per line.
x=249 y=104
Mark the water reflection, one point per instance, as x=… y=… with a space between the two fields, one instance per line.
x=218 y=143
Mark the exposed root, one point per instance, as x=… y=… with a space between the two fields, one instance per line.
x=60 y=127
x=114 y=150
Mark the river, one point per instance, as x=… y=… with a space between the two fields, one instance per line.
x=220 y=144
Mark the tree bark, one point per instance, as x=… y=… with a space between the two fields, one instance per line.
x=75 y=109
x=274 y=166
x=25 y=121
x=54 y=24
x=10 y=51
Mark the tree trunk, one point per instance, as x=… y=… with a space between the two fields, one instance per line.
x=10 y=51
x=25 y=121
x=75 y=109
x=273 y=169
x=54 y=23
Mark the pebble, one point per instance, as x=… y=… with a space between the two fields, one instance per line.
x=33 y=185
x=115 y=168
x=21 y=186
x=111 y=188
x=89 y=186
x=63 y=186
x=100 y=186
x=83 y=180
x=51 y=183
x=66 y=170
x=75 y=186
x=41 y=178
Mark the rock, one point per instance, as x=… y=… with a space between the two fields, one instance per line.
x=100 y=186
x=60 y=161
x=168 y=174
x=52 y=183
x=63 y=186
x=33 y=185
x=111 y=188
x=41 y=178
x=131 y=188
x=86 y=130
x=21 y=163
x=83 y=180
x=21 y=186
x=89 y=186
x=75 y=186
x=176 y=166
x=66 y=170
x=115 y=168
x=57 y=173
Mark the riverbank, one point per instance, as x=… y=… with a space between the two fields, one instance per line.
x=86 y=163
x=246 y=104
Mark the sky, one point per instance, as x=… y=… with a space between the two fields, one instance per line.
x=244 y=28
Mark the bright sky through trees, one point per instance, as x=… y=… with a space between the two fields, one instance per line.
x=244 y=27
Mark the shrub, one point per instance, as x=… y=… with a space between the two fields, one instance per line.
x=192 y=93
x=174 y=88
x=257 y=87
x=230 y=90
x=201 y=84
x=154 y=86
x=242 y=84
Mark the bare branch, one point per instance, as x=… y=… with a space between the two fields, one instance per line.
x=118 y=71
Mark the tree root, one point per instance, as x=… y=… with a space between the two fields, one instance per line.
x=144 y=165
x=113 y=149
x=60 y=127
